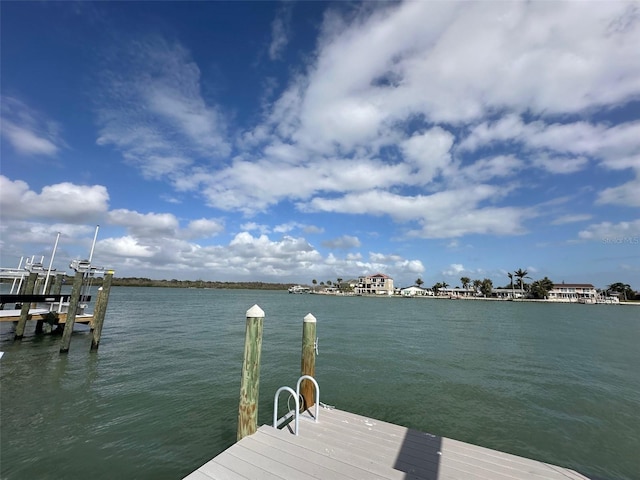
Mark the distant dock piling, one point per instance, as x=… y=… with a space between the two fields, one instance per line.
x=308 y=361
x=71 y=313
x=57 y=286
x=250 y=382
x=100 y=309
x=24 y=311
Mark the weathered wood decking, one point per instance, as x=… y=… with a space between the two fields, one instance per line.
x=343 y=445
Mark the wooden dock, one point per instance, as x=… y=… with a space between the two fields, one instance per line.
x=344 y=445
x=41 y=314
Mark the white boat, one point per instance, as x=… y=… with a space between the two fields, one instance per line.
x=299 y=289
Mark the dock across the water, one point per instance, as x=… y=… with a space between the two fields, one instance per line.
x=343 y=445
x=37 y=314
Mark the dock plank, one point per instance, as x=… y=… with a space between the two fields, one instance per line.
x=338 y=460
x=348 y=446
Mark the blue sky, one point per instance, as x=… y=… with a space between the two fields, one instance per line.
x=295 y=141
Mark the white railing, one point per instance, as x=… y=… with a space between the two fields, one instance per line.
x=296 y=396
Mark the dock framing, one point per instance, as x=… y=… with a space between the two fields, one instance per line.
x=344 y=445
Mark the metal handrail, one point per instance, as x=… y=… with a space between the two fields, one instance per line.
x=309 y=377
x=276 y=422
x=296 y=396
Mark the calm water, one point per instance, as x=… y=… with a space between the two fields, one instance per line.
x=559 y=383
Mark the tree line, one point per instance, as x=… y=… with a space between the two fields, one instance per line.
x=174 y=283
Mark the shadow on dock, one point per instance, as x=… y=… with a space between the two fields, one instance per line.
x=419 y=455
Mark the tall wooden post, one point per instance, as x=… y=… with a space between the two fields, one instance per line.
x=308 y=363
x=24 y=312
x=250 y=382
x=71 y=313
x=101 y=309
x=57 y=287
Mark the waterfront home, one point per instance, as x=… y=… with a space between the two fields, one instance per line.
x=415 y=291
x=457 y=292
x=507 y=293
x=378 y=284
x=573 y=292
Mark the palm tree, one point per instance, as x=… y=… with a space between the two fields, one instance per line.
x=315 y=282
x=419 y=282
x=540 y=288
x=486 y=287
x=339 y=280
x=465 y=282
x=510 y=275
x=521 y=274
x=623 y=288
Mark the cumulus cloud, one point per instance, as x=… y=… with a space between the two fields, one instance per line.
x=384 y=110
x=64 y=202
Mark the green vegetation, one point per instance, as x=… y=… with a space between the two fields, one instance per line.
x=624 y=290
x=147 y=282
x=486 y=287
x=540 y=288
x=521 y=274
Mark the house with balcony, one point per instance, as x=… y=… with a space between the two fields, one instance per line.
x=378 y=284
x=573 y=292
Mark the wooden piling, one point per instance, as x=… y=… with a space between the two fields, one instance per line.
x=250 y=382
x=71 y=312
x=308 y=362
x=24 y=312
x=101 y=309
x=57 y=286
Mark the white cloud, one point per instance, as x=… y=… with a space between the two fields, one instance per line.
x=124 y=247
x=148 y=225
x=446 y=214
x=28 y=132
x=429 y=151
x=344 y=242
x=454 y=269
x=613 y=231
x=64 y=202
x=280 y=31
x=487 y=169
x=572 y=218
x=561 y=165
x=204 y=228
x=154 y=112
x=627 y=194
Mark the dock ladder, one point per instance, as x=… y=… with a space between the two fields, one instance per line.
x=277 y=422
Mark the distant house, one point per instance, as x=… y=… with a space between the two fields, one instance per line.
x=457 y=292
x=508 y=293
x=415 y=291
x=378 y=284
x=573 y=292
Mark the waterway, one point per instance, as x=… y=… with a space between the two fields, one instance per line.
x=555 y=382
